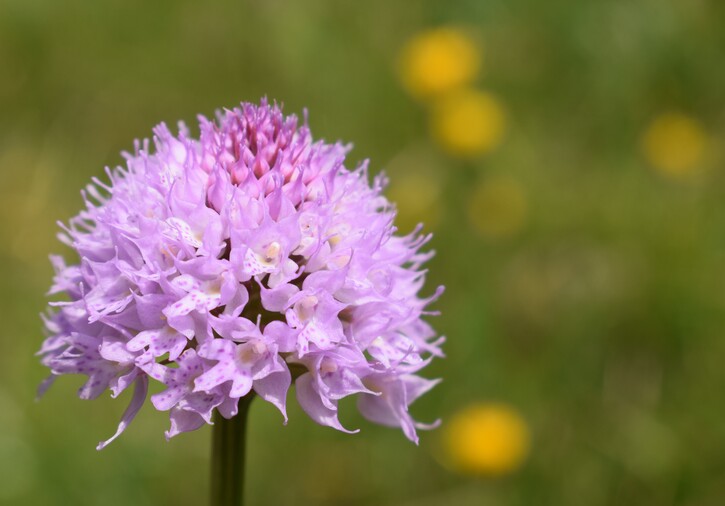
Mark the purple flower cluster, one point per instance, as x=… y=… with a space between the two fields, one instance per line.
x=235 y=264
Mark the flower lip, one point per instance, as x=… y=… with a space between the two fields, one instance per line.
x=272 y=252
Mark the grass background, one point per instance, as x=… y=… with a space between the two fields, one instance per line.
x=601 y=320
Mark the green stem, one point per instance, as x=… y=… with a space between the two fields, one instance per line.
x=227 y=458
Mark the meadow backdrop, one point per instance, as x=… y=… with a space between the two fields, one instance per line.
x=568 y=157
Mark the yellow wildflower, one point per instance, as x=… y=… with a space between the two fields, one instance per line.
x=437 y=61
x=675 y=144
x=468 y=123
x=417 y=200
x=497 y=207
x=487 y=439
x=416 y=187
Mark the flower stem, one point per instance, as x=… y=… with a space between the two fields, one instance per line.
x=227 y=458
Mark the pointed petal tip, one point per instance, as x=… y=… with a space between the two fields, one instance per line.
x=44 y=386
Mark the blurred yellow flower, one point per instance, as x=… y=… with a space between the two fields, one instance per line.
x=468 y=123
x=28 y=193
x=497 y=207
x=675 y=144
x=487 y=439
x=417 y=200
x=437 y=61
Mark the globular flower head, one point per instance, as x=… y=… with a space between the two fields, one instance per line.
x=233 y=264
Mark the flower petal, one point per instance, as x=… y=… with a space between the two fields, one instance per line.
x=139 y=396
x=310 y=401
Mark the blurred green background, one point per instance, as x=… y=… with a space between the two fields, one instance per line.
x=585 y=281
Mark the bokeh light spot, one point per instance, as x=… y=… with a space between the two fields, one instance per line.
x=468 y=123
x=437 y=61
x=487 y=439
x=416 y=188
x=675 y=144
x=497 y=208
